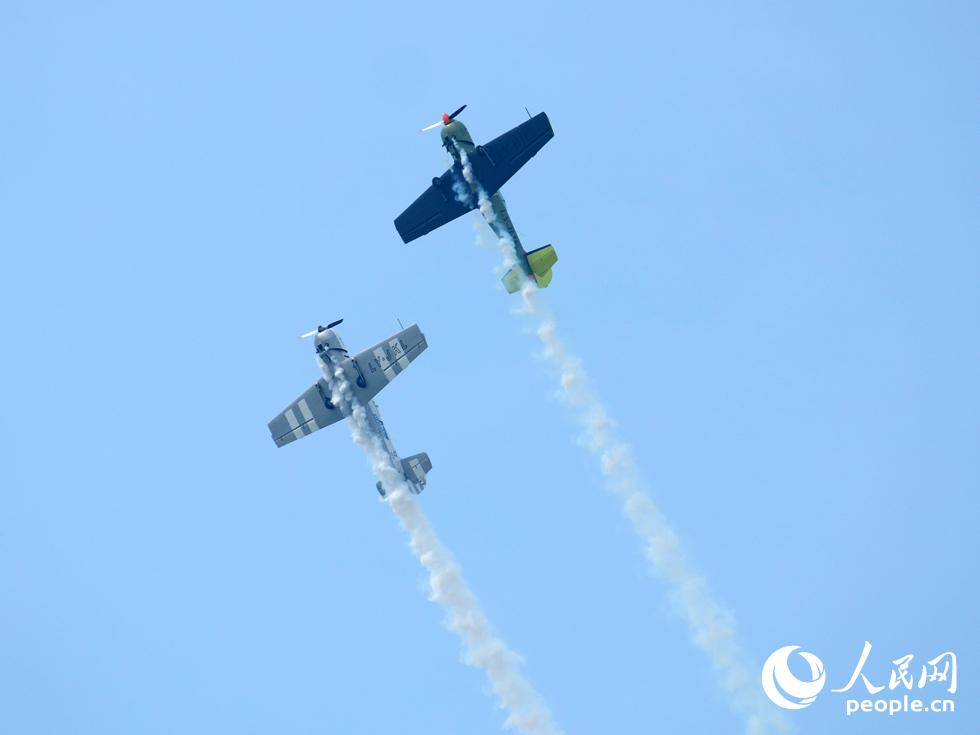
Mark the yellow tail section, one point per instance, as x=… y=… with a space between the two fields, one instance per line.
x=512 y=280
x=541 y=261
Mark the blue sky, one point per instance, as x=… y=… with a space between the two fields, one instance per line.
x=767 y=224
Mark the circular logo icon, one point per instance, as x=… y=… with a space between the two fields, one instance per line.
x=783 y=687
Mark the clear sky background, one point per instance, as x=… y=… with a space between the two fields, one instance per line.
x=767 y=222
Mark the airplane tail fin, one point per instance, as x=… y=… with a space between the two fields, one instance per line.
x=540 y=261
x=414 y=469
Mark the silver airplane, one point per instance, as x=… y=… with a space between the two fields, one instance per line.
x=367 y=373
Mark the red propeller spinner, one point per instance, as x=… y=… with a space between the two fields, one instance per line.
x=446 y=119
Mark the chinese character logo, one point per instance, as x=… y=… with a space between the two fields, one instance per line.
x=901 y=675
x=783 y=687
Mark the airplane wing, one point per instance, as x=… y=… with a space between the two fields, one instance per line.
x=368 y=372
x=371 y=370
x=437 y=206
x=495 y=162
x=309 y=412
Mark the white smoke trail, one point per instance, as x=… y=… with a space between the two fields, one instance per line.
x=506 y=246
x=526 y=712
x=712 y=627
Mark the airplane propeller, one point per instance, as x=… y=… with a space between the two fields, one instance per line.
x=319 y=329
x=446 y=119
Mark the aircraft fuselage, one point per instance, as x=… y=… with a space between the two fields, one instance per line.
x=330 y=350
x=457 y=140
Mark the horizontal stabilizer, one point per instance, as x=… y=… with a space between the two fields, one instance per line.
x=542 y=259
x=539 y=262
x=512 y=280
x=414 y=470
